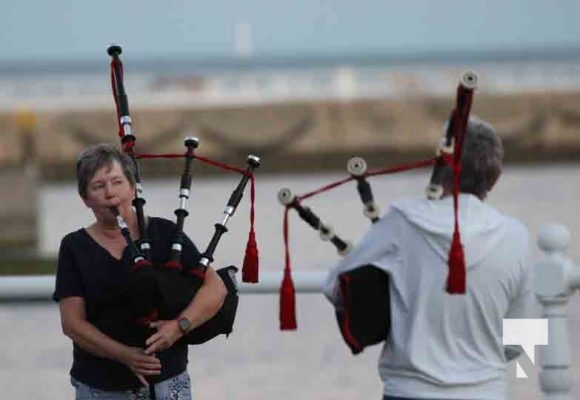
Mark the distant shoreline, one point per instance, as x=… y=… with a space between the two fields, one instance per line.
x=174 y=64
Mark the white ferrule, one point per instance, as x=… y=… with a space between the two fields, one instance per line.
x=469 y=80
x=121 y=222
x=139 y=189
x=125 y=120
x=285 y=196
x=182 y=201
x=145 y=246
x=356 y=166
x=204 y=261
x=371 y=210
x=434 y=192
x=226 y=218
x=127 y=129
x=326 y=232
x=229 y=210
x=184 y=192
x=443 y=148
x=176 y=247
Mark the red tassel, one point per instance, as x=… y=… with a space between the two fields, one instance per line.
x=287 y=292
x=250 y=268
x=456 y=279
x=287 y=303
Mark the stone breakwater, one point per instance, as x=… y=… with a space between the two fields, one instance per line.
x=300 y=134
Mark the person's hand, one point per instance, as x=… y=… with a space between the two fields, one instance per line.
x=168 y=332
x=141 y=364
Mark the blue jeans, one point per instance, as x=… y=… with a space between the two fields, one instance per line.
x=176 y=388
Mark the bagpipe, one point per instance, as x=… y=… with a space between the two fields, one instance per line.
x=363 y=315
x=161 y=290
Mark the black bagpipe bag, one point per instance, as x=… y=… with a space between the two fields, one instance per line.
x=223 y=322
x=176 y=289
x=365 y=318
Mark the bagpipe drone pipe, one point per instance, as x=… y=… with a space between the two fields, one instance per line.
x=161 y=290
x=362 y=304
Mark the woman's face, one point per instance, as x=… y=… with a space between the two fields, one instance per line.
x=109 y=187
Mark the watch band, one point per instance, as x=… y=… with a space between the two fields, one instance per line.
x=184 y=325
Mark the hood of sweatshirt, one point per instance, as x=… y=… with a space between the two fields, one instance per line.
x=434 y=218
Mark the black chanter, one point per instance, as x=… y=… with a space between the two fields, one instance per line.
x=140 y=293
x=288 y=199
x=141 y=289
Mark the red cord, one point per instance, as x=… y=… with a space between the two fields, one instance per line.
x=287 y=291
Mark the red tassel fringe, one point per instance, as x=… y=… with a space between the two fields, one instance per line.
x=456 y=282
x=287 y=303
x=250 y=268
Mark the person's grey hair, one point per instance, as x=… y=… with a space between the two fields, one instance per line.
x=481 y=159
x=98 y=156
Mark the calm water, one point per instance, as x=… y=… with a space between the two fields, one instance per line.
x=258 y=361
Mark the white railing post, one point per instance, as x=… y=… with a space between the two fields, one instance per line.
x=556 y=279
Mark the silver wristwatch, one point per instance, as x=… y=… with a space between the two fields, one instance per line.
x=184 y=325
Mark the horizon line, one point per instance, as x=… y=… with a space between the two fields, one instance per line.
x=170 y=63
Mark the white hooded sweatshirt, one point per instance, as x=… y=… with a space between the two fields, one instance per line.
x=446 y=346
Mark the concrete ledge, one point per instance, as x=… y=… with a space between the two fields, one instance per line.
x=41 y=287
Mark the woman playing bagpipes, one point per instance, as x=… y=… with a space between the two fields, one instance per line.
x=115 y=354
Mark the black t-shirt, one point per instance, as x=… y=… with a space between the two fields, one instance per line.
x=88 y=270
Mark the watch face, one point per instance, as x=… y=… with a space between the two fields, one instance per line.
x=184 y=324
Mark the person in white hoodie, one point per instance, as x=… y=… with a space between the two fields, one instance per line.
x=444 y=346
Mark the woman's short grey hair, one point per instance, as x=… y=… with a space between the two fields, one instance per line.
x=98 y=156
x=481 y=159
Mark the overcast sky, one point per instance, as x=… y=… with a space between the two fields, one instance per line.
x=81 y=29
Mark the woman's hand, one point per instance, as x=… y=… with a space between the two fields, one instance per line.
x=141 y=364
x=88 y=337
x=168 y=332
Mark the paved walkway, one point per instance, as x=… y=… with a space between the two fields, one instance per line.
x=256 y=362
